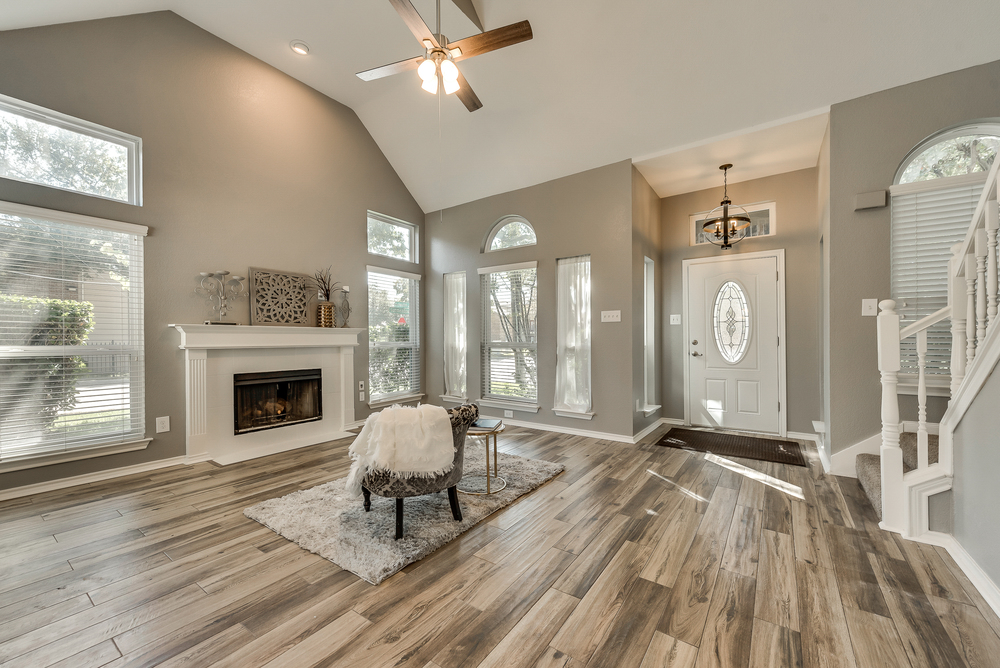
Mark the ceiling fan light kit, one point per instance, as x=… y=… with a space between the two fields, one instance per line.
x=437 y=65
x=727 y=223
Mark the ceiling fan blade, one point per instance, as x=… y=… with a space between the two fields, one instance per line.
x=467 y=95
x=491 y=40
x=389 y=70
x=470 y=11
x=412 y=19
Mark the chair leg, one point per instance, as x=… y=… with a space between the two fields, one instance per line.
x=399 y=519
x=368 y=498
x=456 y=510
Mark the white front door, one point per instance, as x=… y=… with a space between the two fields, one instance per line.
x=734 y=320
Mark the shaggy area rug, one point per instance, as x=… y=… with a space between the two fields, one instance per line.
x=324 y=520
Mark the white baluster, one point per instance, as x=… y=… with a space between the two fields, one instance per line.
x=922 y=399
x=970 y=308
x=956 y=297
x=980 y=286
x=992 y=224
x=893 y=494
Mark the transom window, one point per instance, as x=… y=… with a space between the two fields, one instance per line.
x=391 y=237
x=732 y=322
x=42 y=146
x=965 y=150
x=510 y=232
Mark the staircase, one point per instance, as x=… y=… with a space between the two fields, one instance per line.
x=911 y=467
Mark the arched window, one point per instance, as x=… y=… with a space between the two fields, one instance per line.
x=510 y=232
x=963 y=150
x=935 y=193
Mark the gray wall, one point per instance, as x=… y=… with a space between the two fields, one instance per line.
x=243 y=166
x=869 y=137
x=645 y=243
x=798 y=233
x=975 y=491
x=589 y=212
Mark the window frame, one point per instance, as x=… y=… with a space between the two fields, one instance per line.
x=413 y=255
x=461 y=331
x=772 y=221
x=412 y=393
x=562 y=409
x=136 y=309
x=498 y=400
x=649 y=337
x=978 y=127
x=501 y=223
x=131 y=143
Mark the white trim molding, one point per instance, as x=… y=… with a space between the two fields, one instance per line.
x=509 y=405
x=977 y=576
x=508 y=267
x=372 y=269
x=31 y=462
x=573 y=414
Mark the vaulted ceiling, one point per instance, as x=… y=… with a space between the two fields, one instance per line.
x=672 y=84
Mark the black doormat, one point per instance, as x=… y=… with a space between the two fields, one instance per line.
x=734 y=445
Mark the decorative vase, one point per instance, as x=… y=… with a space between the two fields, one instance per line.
x=325 y=314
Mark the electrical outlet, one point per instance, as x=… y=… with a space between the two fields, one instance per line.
x=361 y=386
x=162 y=424
x=361 y=396
x=611 y=316
x=869 y=307
x=508 y=413
x=675 y=318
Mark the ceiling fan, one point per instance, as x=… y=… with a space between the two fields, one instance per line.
x=438 y=62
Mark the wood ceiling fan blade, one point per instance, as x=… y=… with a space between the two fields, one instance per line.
x=412 y=19
x=393 y=68
x=492 y=40
x=467 y=95
x=470 y=11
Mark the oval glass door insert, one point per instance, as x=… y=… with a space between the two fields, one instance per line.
x=732 y=322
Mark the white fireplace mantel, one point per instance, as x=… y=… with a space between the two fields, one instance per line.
x=214 y=353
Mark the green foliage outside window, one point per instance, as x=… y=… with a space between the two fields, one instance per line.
x=953 y=157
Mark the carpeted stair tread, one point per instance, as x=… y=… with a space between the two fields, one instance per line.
x=908 y=443
x=869 y=469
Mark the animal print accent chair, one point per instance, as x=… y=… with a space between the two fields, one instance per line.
x=385 y=484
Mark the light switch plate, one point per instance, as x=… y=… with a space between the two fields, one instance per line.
x=361 y=396
x=675 y=318
x=508 y=413
x=162 y=424
x=869 y=307
x=611 y=316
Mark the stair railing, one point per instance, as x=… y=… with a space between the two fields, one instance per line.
x=972 y=307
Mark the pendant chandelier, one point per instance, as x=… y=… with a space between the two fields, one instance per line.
x=727 y=223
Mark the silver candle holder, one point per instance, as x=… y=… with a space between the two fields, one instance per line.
x=220 y=291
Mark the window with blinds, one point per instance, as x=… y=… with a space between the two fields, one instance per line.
x=393 y=334
x=510 y=332
x=71 y=333
x=928 y=218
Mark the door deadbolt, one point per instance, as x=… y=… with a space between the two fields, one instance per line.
x=695 y=342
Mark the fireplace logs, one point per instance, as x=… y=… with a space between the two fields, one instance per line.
x=276 y=399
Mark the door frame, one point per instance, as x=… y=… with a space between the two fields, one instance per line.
x=779 y=254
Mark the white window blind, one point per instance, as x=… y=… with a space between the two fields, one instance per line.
x=926 y=223
x=71 y=334
x=455 y=342
x=393 y=334
x=573 y=383
x=510 y=336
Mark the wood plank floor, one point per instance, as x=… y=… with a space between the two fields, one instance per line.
x=636 y=555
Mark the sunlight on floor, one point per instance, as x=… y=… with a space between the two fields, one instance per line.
x=780 y=485
x=682 y=490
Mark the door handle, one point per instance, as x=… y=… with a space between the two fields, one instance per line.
x=696 y=354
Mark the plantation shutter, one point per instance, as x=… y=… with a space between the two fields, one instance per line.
x=393 y=333
x=510 y=334
x=71 y=333
x=926 y=223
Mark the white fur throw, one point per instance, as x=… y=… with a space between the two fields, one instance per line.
x=409 y=442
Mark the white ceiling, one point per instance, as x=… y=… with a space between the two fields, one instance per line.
x=600 y=82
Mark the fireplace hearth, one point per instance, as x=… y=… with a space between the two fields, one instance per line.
x=273 y=399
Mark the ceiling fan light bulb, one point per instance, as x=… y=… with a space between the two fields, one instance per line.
x=430 y=85
x=450 y=86
x=426 y=70
x=448 y=71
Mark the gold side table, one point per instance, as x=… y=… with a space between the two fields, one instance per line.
x=493 y=483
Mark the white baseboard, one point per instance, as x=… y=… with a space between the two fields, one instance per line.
x=270 y=449
x=972 y=570
x=98 y=476
x=842 y=462
x=824 y=458
x=357 y=424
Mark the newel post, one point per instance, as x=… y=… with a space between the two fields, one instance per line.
x=893 y=496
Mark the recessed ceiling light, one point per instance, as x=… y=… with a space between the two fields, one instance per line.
x=300 y=47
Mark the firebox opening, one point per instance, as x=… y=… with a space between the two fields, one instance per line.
x=276 y=399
